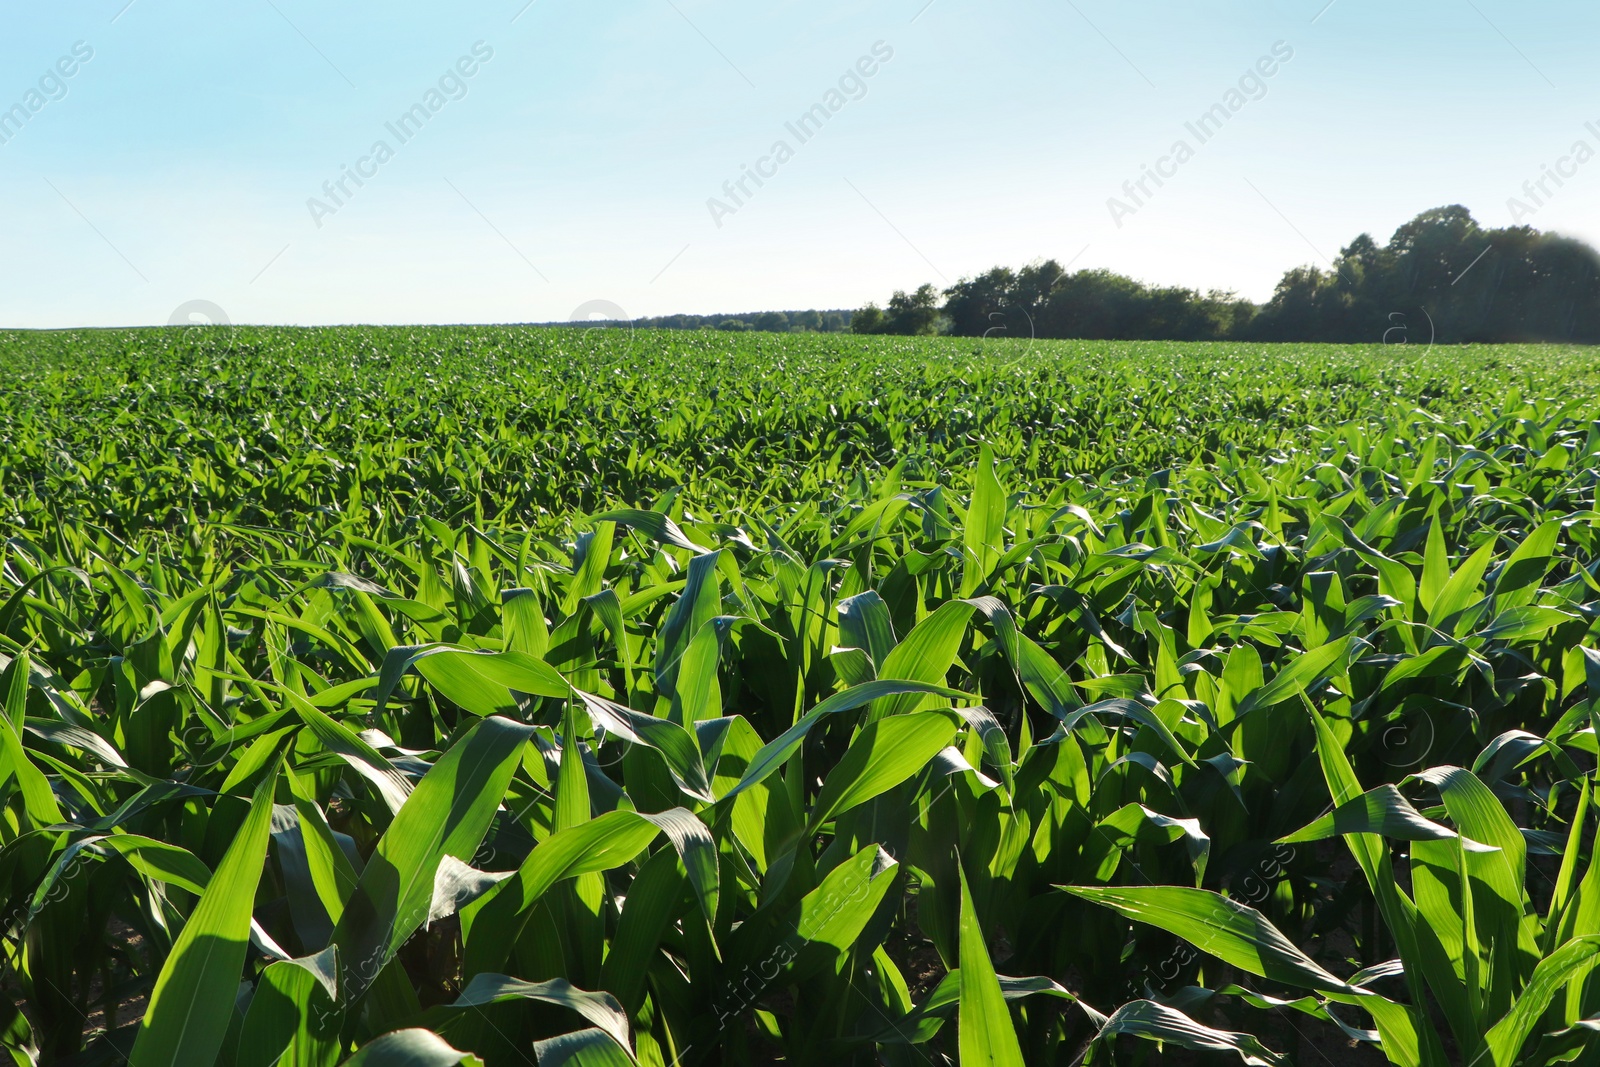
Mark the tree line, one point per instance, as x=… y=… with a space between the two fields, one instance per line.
x=1441 y=278
x=811 y=321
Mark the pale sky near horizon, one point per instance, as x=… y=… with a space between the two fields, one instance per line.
x=576 y=162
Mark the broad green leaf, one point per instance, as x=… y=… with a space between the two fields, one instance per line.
x=984 y=531
x=699 y=692
x=652 y=902
x=37 y=797
x=1383 y=811
x=1440 y=660
x=392 y=786
x=925 y=655
x=600 y=1009
x=652 y=524
x=1520 y=577
x=1218 y=926
x=447 y=815
x=293 y=1017
x=579 y=906
x=676 y=744
x=332 y=874
x=1524 y=623
x=776 y=752
x=926 y=1019
x=1157 y=1022
x=1134 y=822
x=835 y=913
x=1462 y=589
x=1503 y=912
x=1398 y=910
x=1480 y=816
x=486 y=683
x=1571 y=962
x=161 y=861
x=491 y=924
x=882 y=756
x=1134 y=711
x=589 y=564
x=607 y=607
x=1400 y=1028
x=411 y=1048
x=527 y=631
x=1394 y=578
x=1044 y=678
x=995 y=744
x=700 y=602
x=1435 y=567
x=584 y=1048
x=192 y=1001
x=987 y=1038
x=1299 y=674
x=864 y=623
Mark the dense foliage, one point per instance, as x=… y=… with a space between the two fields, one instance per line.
x=812 y=321
x=601 y=696
x=1441 y=278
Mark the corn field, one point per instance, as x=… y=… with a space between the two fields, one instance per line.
x=523 y=696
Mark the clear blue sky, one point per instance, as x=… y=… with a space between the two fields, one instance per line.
x=177 y=163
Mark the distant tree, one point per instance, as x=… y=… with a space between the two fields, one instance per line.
x=868 y=320
x=1234 y=315
x=1440 y=277
x=972 y=304
x=1298 y=306
x=733 y=326
x=1443 y=277
x=1034 y=285
x=1002 y=303
x=1100 y=304
x=1557 y=298
x=914 y=314
x=836 y=321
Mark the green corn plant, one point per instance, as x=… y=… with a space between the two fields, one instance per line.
x=525 y=696
x=1512 y=985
